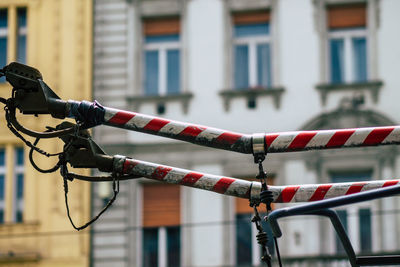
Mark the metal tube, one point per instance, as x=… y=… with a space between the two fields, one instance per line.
x=328 y=204
x=219 y=184
x=239 y=187
x=237 y=142
x=326 y=139
x=197 y=134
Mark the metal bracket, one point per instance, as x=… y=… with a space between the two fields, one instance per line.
x=32 y=94
x=323 y=207
x=258 y=147
x=82 y=152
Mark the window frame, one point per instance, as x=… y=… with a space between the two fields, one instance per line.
x=11 y=169
x=18 y=203
x=347 y=35
x=162 y=230
x=162 y=245
x=4 y=32
x=3 y=172
x=162 y=48
x=252 y=42
x=22 y=31
x=12 y=33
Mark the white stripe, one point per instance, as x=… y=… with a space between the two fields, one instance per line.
x=338 y=190
x=210 y=134
x=372 y=185
x=173 y=128
x=320 y=139
x=207 y=182
x=394 y=136
x=238 y=187
x=139 y=121
x=304 y=193
x=110 y=112
x=144 y=169
x=358 y=136
x=175 y=175
x=284 y=140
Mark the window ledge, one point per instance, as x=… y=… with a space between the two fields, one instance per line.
x=19 y=257
x=372 y=86
x=253 y=93
x=9 y=227
x=184 y=98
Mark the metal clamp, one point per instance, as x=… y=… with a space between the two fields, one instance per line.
x=258 y=141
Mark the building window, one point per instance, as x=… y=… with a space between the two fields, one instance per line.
x=162 y=56
x=357 y=218
x=12 y=184
x=18 y=185
x=248 y=251
x=161 y=242
x=252 y=50
x=18 y=47
x=21 y=42
x=2 y=183
x=347 y=43
x=3 y=39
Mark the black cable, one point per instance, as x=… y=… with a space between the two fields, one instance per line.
x=14 y=122
x=64 y=174
x=52 y=169
x=72 y=176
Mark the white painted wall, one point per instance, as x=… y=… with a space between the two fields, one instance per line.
x=207 y=237
x=299 y=70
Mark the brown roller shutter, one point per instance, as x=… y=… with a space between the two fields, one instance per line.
x=253 y=17
x=242 y=204
x=161 y=205
x=161 y=26
x=347 y=16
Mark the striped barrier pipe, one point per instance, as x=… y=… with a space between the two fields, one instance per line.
x=242 y=188
x=238 y=142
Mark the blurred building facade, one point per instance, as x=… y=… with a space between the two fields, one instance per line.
x=54 y=37
x=247 y=66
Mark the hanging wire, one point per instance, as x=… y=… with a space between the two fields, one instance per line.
x=15 y=127
x=66 y=177
x=266 y=196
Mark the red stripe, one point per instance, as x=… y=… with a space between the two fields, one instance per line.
x=222 y=185
x=156 y=124
x=160 y=172
x=339 y=138
x=192 y=131
x=320 y=193
x=355 y=188
x=228 y=138
x=287 y=194
x=121 y=117
x=301 y=140
x=377 y=136
x=390 y=183
x=129 y=165
x=269 y=138
x=191 y=178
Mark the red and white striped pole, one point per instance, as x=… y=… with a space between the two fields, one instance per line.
x=238 y=142
x=242 y=188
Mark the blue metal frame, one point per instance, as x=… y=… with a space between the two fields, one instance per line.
x=323 y=208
